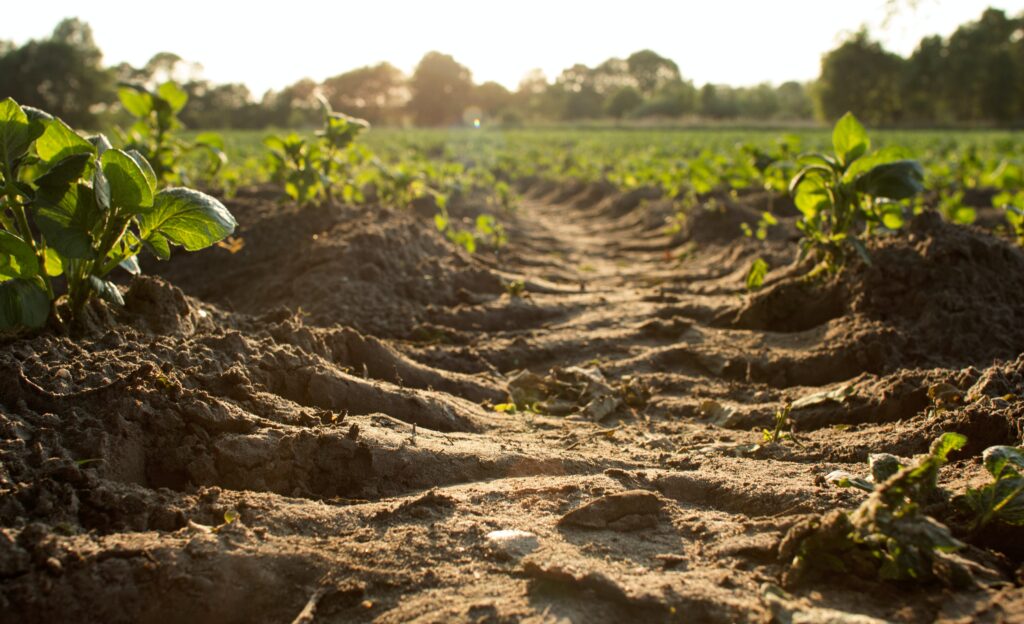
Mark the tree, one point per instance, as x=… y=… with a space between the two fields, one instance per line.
x=861 y=77
x=535 y=97
x=672 y=100
x=794 y=101
x=491 y=98
x=757 y=102
x=610 y=77
x=575 y=93
x=623 y=102
x=718 y=101
x=376 y=93
x=652 y=71
x=983 y=75
x=295 y=105
x=924 y=82
x=219 y=106
x=441 y=89
x=62 y=75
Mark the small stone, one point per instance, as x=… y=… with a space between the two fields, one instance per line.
x=512 y=543
x=621 y=511
x=54 y=565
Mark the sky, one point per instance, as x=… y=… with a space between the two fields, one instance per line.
x=737 y=42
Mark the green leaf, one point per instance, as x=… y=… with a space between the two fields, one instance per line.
x=131 y=264
x=275 y=143
x=53 y=264
x=896 y=180
x=59 y=141
x=886 y=155
x=147 y=169
x=756 y=274
x=174 y=95
x=892 y=215
x=1000 y=460
x=17 y=258
x=23 y=303
x=186 y=217
x=486 y=223
x=101 y=143
x=340 y=129
x=35 y=114
x=66 y=172
x=136 y=100
x=849 y=139
x=101 y=188
x=946 y=444
x=159 y=245
x=67 y=220
x=811 y=196
x=130 y=188
x=16 y=131
x=210 y=139
x=106 y=290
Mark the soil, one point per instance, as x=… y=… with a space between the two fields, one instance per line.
x=303 y=427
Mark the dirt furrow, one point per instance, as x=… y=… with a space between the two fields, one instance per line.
x=387 y=429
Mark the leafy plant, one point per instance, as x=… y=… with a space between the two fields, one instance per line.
x=888 y=536
x=844 y=196
x=1013 y=204
x=766 y=221
x=78 y=209
x=952 y=207
x=311 y=169
x=486 y=230
x=881 y=465
x=1003 y=499
x=515 y=288
x=783 y=428
x=154 y=132
x=756 y=274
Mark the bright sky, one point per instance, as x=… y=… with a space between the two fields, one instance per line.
x=737 y=42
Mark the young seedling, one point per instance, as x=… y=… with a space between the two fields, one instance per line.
x=782 y=430
x=486 y=230
x=845 y=196
x=887 y=537
x=756 y=274
x=1003 y=499
x=515 y=288
x=77 y=209
x=766 y=221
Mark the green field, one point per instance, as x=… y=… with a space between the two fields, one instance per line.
x=676 y=160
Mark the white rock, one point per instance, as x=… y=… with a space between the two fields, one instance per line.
x=512 y=543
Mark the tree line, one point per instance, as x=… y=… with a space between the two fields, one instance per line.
x=974 y=76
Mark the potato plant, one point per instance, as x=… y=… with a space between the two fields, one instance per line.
x=888 y=537
x=311 y=169
x=487 y=230
x=73 y=210
x=154 y=133
x=847 y=195
x=1002 y=500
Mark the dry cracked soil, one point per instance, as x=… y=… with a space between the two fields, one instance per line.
x=318 y=426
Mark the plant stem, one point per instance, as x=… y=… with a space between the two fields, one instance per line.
x=25 y=230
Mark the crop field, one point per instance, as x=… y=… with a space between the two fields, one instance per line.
x=668 y=375
x=630 y=370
